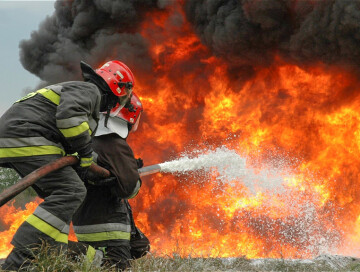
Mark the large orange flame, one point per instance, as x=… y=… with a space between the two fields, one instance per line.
x=300 y=123
x=11 y=218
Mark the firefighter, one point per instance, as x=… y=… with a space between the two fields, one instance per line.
x=104 y=220
x=52 y=122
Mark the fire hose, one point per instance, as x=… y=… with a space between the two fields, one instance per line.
x=31 y=178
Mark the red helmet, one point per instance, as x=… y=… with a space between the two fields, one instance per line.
x=118 y=77
x=131 y=112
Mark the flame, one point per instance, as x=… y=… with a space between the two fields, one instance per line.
x=298 y=124
x=11 y=219
x=299 y=121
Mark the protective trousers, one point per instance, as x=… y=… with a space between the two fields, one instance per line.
x=105 y=221
x=63 y=192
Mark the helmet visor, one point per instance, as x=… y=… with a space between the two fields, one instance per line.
x=115 y=110
x=128 y=93
x=135 y=126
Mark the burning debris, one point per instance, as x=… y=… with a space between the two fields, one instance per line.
x=273 y=81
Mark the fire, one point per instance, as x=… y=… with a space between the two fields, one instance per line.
x=297 y=126
x=11 y=219
x=297 y=120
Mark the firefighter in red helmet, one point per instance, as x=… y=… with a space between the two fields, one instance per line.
x=104 y=220
x=120 y=79
x=49 y=123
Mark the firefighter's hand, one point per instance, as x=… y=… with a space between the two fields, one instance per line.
x=139 y=163
x=82 y=168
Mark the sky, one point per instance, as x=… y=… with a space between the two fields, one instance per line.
x=17 y=20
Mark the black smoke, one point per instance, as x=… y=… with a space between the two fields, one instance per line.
x=255 y=32
x=90 y=30
x=247 y=34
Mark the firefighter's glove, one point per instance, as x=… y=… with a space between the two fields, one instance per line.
x=139 y=163
x=83 y=167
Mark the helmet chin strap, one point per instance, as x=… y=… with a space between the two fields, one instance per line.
x=110 y=102
x=104 y=101
x=107 y=117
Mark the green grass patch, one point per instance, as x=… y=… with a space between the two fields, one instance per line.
x=49 y=260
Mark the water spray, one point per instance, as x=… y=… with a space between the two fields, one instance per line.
x=228 y=165
x=225 y=165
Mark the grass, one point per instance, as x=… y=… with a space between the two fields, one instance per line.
x=179 y=264
x=48 y=260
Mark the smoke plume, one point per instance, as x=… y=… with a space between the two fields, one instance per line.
x=245 y=33
x=255 y=32
x=91 y=30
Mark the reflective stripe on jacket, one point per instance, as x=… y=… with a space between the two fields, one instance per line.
x=30 y=146
x=54 y=120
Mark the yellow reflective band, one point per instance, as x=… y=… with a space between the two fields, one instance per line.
x=47 y=229
x=75 y=131
x=103 y=236
x=86 y=162
x=26 y=97
x=51 y=95
x=90 y=254
x=30 y=151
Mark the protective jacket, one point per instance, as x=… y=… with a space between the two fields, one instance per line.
x=104 y=218
x=37 y=129
x=55 y=120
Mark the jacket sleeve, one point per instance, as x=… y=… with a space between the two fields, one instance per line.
x=77 y=115
x=115 y=154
